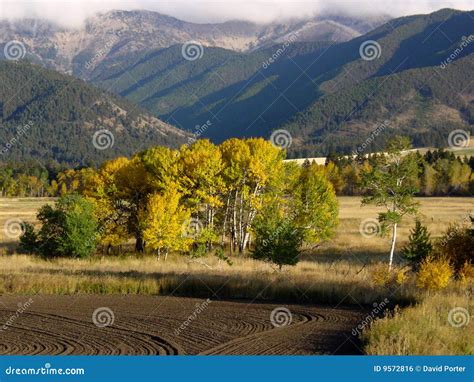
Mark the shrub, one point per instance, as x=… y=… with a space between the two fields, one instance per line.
x=68 y=229
x=466 y=273
x=434 y=274
x=457 y=246
x=28 y=240
x=382 y=276
x=401 y=276
x=419 y=246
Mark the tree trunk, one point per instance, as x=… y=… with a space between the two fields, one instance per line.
x=240 y=234
x=392 y=249
x=234 y=223
x=226 y=214
x=224 y=228
x=244 y=242
x=139 y=244
x=248 y=223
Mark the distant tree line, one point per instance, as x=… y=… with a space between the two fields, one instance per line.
x=441 y=173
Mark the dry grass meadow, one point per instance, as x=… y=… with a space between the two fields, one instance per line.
x=338 y=270
x=435 y=212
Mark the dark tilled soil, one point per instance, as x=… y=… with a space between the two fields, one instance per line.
x=53 y=325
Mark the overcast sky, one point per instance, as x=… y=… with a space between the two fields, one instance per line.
x=73 y=12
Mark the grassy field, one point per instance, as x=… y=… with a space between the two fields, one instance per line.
x=435 y=213
x=308 y=282
x=14 y=210
x=340 y=269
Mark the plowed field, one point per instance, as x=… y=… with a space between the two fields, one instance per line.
x=140 y=325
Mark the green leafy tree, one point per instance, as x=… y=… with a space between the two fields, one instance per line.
x=419 y=245
x=391 y=184
x=277 y=239
x=68 y=229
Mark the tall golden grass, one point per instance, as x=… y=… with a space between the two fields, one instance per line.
x=439 y=325
x=308 y=282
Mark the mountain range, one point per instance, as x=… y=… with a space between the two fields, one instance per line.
x=311 y=88
x=120 y=34
x=329 y=81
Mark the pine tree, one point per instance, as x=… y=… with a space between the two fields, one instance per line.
x=419 y=246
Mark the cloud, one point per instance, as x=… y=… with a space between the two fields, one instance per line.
x=74 y=12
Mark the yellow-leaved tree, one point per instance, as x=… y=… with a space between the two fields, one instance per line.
x=102 y=191
x=200 y=169
x=164 y=221
x=252 y=167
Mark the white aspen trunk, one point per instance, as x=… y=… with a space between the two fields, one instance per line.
x=250 y=217
x=246 y=239
x=234 y=223
x=392 y=249
x=224 y=226
x=240 y=237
